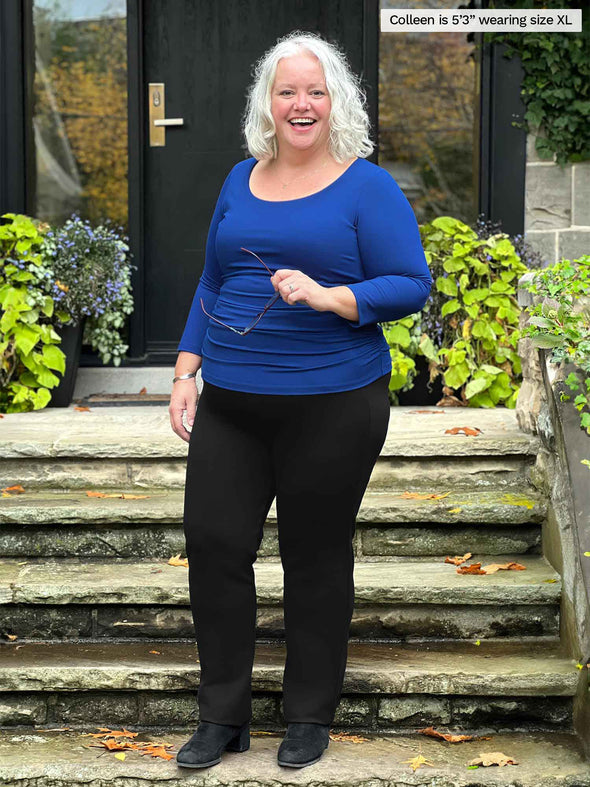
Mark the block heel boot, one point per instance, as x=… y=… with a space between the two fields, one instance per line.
x=303 y=744
x=208 y=742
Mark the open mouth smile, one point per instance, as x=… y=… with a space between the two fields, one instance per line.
x=302 y=124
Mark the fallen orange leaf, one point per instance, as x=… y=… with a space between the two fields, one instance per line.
x=16 y=488
x=82 y=409
x=458 y=559
x=474 y=568
x=143 y=390
x=467 y=430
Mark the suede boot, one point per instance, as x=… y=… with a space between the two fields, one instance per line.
x=303 y=744
x=209 y=741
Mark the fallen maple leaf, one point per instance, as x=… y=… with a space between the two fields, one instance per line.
x=82 y=409
x=143 y=390
x=445 y=735
x=178 y=561
x=492 y=758
x=473 y=568
x=157 y=751
x=467 y=430
x=491 y=568
x=458 y=559
x=420 y=496
x=106 y=732
x=417 y=762
x=16 y=488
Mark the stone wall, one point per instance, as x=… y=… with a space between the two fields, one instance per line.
x=557 y=206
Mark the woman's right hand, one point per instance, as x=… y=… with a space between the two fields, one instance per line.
x=184 y=396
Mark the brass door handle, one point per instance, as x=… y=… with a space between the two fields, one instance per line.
x=157 y=111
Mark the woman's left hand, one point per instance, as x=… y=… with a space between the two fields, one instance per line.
x=296 y=287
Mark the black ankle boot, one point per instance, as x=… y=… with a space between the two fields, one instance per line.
x=209 y=741
x=303 y=744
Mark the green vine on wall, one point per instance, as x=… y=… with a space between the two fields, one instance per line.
x=556 y=81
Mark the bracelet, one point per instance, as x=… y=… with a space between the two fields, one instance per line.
x=184 y=376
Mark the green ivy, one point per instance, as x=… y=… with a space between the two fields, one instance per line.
x=474 y=295
x=28 y=350
x=556 y=82
x=560 y=322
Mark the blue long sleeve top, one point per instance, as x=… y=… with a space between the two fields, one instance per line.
x=360 y=231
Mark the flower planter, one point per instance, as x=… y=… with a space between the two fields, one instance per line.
x=71 y=345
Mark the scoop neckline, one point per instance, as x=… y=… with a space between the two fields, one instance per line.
x=296 y=199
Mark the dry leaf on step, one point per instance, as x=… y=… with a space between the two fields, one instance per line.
x=491 y=568
x=417 y=762
x=445 y=735
x=467 y=430
x=420 y=496
x=473 y=568
x=492 y=758
x=457 y=560
x=178 y=561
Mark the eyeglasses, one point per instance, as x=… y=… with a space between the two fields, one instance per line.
x=249 y=327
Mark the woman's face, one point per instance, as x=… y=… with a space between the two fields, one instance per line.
x=299 y=91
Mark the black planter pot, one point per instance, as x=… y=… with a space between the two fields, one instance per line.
x=420 y=393
x=71 y=344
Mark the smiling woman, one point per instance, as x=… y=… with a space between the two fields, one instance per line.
x=297 y=407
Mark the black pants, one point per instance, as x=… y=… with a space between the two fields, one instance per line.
x=315 y=452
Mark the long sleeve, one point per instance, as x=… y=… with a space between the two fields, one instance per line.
x=208 y=287
x=398 y=280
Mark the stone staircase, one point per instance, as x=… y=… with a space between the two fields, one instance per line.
x=96 y=630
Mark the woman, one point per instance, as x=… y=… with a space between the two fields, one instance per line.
x=294 y=402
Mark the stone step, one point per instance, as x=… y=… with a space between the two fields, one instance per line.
x=135 y=447
x=64 y=758
x=371 y=542
x=520 y=505
x=493 y=685
x=396 y=599
x=460 y=472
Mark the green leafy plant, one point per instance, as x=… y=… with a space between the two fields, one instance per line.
x=468 y=329
x=560 y=322
x=556 y=83
x=89 y=275
x=28 y=341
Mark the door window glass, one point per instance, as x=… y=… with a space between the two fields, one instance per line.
x=428 y=116
x=79 y=112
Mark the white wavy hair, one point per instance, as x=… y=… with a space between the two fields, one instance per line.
x=349 y=121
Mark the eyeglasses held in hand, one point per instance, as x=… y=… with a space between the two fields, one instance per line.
x=249 y=327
